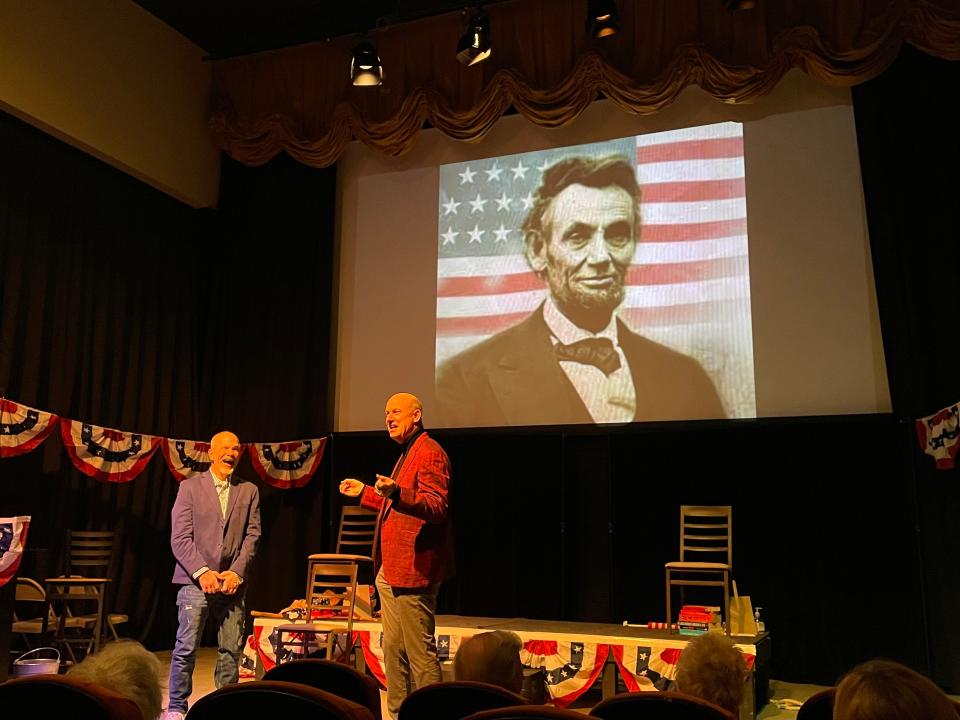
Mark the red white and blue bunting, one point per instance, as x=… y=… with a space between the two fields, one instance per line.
x=572 y=667
x=119 y=456
x=651 y=667
x=22 y=428
x=186 y=458
x=939 y=435
x=289 y=464
x=105 y=453
x=13 y=538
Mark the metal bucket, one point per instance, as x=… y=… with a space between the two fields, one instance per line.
x=38 y=665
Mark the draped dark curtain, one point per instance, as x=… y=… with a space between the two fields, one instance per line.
x=98 y=288
x=909 y=149
x=264 y=346
x=547 y=67
x=123 y=308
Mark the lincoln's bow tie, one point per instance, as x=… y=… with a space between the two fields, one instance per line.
x=598 y=352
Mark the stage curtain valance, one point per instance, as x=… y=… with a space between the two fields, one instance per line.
x=546 y=66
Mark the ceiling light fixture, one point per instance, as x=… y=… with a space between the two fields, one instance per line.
x=474 y=46
x=603 y=20
x=365 y=67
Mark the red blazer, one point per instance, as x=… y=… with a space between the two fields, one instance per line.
x=416 y=540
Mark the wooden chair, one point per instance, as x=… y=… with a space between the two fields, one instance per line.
x=660 y=705
x=90 y=553
x=706 y=553
x=358 y=531
x=455 y=700
x=274 y=698
x=333 y=677
x=818 y=706
x=331 y=593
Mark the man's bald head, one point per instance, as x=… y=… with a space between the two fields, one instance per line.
x=491 y=657
x=224 y=453
x=403 y=415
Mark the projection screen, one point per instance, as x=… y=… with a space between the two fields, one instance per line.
x=526 y=280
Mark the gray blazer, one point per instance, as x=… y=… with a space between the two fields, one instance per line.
x=199 y=536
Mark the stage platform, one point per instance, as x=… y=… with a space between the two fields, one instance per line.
x=573 y=655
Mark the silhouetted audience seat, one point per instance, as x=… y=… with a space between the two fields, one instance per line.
x=660 y=705
x=275 y=699
x=337 y=678
x=59 y=696
x=455 y=700
x=818 y=706
x=527 y=712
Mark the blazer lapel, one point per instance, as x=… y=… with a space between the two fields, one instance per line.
x=209 y=491
x=398 y=471
x=231 y=501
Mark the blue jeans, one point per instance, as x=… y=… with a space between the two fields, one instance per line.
x=193 y=606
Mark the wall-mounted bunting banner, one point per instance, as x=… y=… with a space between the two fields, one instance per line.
x=186 y=458
x=13 y=538
x=105 y=453
x=287 y=464
x=939 y=435
x=119 y=455
x=22 y=428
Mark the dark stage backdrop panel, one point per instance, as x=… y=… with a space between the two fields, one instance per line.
x=576 y=524
x=824 y=532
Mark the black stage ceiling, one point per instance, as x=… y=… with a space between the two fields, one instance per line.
x=237 y=27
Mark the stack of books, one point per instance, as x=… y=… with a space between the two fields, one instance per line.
x=698 y=619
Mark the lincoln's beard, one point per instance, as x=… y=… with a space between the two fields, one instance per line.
x=579 y=299
x=588 y=308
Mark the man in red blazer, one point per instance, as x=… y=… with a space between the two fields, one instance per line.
x=415 y=552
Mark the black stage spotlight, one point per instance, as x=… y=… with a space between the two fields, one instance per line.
x=603 y=19
x=474 y=45
x=365 y=67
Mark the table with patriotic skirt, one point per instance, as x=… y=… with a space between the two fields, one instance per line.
x=573 y=655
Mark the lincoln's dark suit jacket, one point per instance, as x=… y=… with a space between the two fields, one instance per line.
x=200 y=536
x=514 y=378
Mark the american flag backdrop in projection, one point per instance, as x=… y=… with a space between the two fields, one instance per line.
x=688 y=286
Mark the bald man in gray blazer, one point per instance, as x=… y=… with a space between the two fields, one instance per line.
x=215 y=532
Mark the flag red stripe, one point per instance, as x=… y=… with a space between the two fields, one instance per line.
x=690 y=150
x=659 y=274
x=634 y=317
x=687 y=232
x=694 y=190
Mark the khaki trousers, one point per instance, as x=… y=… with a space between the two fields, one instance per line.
x=409 y=646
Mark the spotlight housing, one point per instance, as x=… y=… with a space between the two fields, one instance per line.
x=365 y=66
x=603 y=20
x=474 y=46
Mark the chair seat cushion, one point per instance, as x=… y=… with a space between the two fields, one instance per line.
x=696 y=566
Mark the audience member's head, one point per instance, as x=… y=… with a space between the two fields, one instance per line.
x=713 y=669
x=886 y=690
x=491 y=657
x=127 y=668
